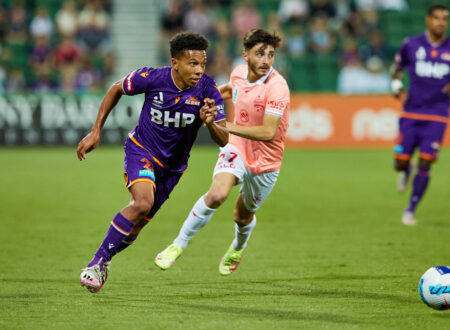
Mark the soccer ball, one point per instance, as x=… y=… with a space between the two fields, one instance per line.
x=434 y=287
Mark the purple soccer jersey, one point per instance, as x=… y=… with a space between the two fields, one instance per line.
x=428 y=65
x=170 y=117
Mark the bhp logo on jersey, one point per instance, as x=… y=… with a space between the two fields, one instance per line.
x=432 y=70
x=164 y=118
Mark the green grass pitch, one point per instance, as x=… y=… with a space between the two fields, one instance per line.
x=329 y=250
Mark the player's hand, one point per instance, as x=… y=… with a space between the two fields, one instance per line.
x=89 y=143
x=208 y=111
x=401 y=95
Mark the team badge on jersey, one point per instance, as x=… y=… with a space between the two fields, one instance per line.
x=421 y=54
x=158 y=100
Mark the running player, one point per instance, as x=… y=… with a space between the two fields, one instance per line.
x=253 y=154
x=178 y=100
x=424 y=118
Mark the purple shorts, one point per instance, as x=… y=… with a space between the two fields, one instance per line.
x=140 y=166
x=425 y=134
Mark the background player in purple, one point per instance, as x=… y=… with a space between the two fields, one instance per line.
x=178 y=100
x=424 y=118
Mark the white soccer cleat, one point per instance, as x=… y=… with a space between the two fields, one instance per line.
x=408 y=219
x=402 y=181
x=166 y=258
x=91 y=278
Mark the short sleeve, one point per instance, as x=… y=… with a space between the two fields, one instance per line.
x=137 y=81
x=278 y=99
x=212 y=92
x=401 y=58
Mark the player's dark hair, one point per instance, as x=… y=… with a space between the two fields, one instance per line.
x=256 y=36
x=436 y=6
x=187 y=41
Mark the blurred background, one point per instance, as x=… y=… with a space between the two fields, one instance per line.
x=57 y=58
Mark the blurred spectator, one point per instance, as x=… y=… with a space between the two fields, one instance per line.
x=354 y=26
x=349 y=53
x=382 y=4
x=291 y=11
x=220 y=68
x=377 y=47
x=296 y=42
x=172 y=19
x=200 y=19
x=68 y=58
x=321 y=39
x=16 y=80
x=355 y=79
x=66 y=19
x=41 y=56
x=41 y=25
x=322 y=8
x=93 y=25
x=3 y=23
x=2 y=80
x=245 y=18
x=18 y=26
x=88 y=77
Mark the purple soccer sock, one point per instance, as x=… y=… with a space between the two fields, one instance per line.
x=419 y=187
x=119 y=229
x=126 y=242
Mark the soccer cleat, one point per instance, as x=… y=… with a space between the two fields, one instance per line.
x=91 y=278
x=166 y=258
x=402 y=181
x=408 y=219
x=230 y=261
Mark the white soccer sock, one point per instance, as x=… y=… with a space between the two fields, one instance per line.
x=242 y=235
x=196 y=220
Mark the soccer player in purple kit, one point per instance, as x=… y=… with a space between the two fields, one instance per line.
x=424 y=118
x=179 y=99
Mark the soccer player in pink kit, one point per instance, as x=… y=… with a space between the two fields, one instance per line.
x=253 y=154
x=424 y=118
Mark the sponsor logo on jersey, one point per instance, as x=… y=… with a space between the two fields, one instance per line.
x=147 y=172
x=158 y=100
x=277 y=105
x=445 y=56
x=432 y=69
x=192 y=101
x=244 y=116
x=421 y=54
x=235 y=94
x=129 y=81
x=144 y=74
x=166 y=118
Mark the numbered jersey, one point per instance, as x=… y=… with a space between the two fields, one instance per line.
x=170 y=118
x=252 y=101
x=428 y=65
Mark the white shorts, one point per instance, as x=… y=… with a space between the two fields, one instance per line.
x=255 y=187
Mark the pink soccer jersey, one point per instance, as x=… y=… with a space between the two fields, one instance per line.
x=269 y=95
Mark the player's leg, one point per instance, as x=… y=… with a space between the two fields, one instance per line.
x=197 y=218
x=403 y=149
x=431 y=136
x=229 y=168
x=255 y=189
x=142 y=197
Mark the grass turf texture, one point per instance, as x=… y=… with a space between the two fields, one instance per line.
x=328 y=252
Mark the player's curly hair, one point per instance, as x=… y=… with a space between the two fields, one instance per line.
x=256 y=36
x=436 y=6
x=187 y=41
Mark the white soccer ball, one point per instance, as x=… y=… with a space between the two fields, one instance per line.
x=434 y=287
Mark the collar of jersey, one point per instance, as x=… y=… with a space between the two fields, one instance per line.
x=433 y=44
x=261 y=80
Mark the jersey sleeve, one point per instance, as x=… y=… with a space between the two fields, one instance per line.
x=212 y=91
x=278 y=99
x=137 y=81
x=401 y=58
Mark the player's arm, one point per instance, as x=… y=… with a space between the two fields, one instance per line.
x=217 y=129
x=91 y=141
x=225 y=91
x=266 y=132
